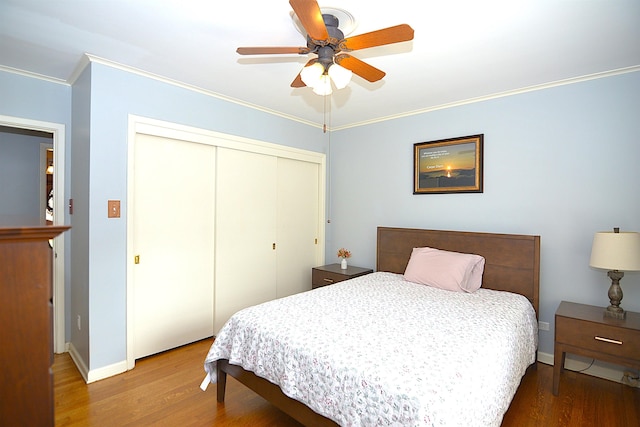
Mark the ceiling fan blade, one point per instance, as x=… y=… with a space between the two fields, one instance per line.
x=310 y=17
x=297 y=82
x=361 y=68
x=399 y=33
x=272 y=50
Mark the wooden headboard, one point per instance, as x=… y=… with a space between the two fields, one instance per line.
x=512 y=261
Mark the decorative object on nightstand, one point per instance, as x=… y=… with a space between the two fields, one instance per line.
x=344 y=254
x=333 y=273
x=616 y=252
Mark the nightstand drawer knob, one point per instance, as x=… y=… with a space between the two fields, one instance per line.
x=328 y=280
x=609 y=340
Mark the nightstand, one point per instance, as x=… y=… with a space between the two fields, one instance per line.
x=332 y=273
x=584 y=330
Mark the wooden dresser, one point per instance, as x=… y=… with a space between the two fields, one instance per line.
x=26 y=322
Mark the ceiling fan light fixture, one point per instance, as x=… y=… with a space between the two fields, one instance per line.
x=339 y=75
x=324 y=38
x=311 y=74
x=324 y=86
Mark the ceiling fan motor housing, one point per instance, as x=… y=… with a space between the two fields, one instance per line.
x=331 y=21
x=335 y=34
x=326 y=49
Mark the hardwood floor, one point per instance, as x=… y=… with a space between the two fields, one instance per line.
x=163 y=390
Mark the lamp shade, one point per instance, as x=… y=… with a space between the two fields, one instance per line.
x=324 y=86
x=340 y=75
x=311 y=74
x=616 y=251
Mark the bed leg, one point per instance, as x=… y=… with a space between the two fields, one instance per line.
x=221 y=383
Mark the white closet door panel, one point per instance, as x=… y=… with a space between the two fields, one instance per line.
x=245 y=231
x=297 y=231
x=174 y=202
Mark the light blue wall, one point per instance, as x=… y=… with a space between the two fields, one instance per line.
x=114 y=94
x=80 y=288
x=20 y=175
x=561 y=163
x=36 y=99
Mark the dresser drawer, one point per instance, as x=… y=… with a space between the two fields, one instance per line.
x=323 y=278
x=602 y=338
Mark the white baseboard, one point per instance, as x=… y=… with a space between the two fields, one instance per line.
x=77 y=359
x=107 y=371
x=599 y=369
x=90 y=376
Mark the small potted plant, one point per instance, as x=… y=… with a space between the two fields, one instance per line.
x=344 y=254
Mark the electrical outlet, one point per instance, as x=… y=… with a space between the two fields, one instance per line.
x=79 y=323
x=543 y=326
x=631 y=379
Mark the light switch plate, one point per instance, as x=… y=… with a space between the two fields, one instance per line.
x=114 y=209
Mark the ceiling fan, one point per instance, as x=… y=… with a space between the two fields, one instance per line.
x=327 y=41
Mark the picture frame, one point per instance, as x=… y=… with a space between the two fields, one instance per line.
x=451 y=165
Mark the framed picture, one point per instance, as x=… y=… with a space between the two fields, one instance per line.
x=448 y=165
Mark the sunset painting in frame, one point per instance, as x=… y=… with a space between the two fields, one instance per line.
x=448 y=165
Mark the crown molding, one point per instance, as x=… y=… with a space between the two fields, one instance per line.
x=98 y=60
x=519 y=91
x=33 y=75
x=84 y=62
x=87 y=59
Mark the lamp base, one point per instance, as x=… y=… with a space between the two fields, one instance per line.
x=615 y=312
x=615 y=296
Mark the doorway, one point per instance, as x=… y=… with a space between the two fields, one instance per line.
x=56 y=132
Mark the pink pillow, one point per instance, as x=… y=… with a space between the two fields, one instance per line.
x=452 y=271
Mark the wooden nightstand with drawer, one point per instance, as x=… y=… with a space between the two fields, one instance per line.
x=584 y=330
x=332 y=273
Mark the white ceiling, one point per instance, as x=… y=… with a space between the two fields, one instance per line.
x=462 y=50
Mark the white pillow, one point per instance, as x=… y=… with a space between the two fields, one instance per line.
x=453 y=271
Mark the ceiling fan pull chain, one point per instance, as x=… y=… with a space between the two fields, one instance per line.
x=327 y=99
x=324 y=113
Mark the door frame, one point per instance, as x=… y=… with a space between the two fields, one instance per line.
x=154 y=127
x=59 y=144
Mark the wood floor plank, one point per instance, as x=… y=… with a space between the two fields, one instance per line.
x=163 y=390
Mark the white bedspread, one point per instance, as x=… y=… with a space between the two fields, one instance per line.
x=378 y=350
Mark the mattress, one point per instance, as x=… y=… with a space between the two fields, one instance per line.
x=379 y=350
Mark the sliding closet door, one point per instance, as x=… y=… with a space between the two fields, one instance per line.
x=174 y=211
x=298 y=225
x=245 y=231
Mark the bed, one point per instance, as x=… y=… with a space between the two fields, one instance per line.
x=387 y=351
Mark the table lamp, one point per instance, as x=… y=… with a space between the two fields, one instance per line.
x=616 y=252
